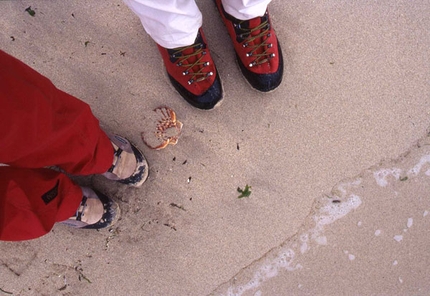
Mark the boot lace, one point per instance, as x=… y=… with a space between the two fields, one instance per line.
x=196 y=69
x=256 y=39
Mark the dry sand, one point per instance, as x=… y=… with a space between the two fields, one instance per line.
x=340 y=186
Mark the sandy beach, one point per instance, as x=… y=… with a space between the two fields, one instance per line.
x=338 y=157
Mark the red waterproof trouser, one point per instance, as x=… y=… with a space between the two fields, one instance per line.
x=42 y=126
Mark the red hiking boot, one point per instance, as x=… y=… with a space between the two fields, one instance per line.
x=193 y=73
x=258 y=51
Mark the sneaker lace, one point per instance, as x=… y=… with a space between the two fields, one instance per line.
x=195 y=69
x=80 y=211
x=116 y=157
x=256 y=39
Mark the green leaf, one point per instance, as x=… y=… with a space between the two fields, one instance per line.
x=246 y=192
x=30 y=11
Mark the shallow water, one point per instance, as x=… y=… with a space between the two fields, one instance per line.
x=397 y=178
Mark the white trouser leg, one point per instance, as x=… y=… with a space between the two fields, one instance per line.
x=170 y=23
x=175 y=23
x=245 y=9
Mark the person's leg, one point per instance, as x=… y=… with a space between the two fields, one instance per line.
x=246 y=9
x=44 y=126
x=32 y=200
x=175 y=26
x=170 y=24
x=258 y=51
